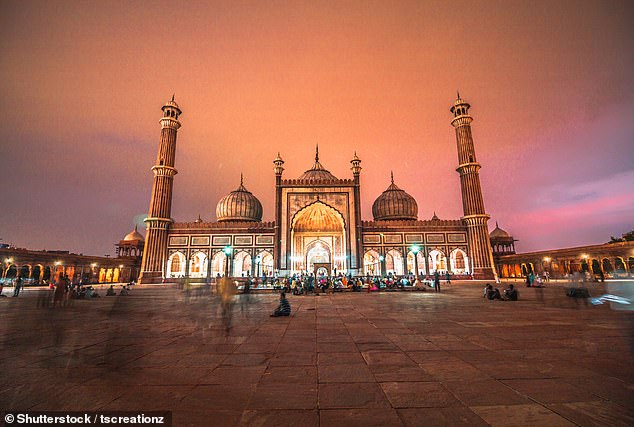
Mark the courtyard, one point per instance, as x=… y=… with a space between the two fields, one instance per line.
x=345 y=359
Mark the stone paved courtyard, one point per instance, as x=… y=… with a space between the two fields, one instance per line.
x=380 y=359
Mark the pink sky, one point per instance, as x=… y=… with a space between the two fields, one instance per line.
x=82 y=84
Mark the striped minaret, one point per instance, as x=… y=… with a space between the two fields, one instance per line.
x=159 y=214
x=472 y=202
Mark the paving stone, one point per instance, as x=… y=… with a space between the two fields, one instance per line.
x=357 y=395
x=349 y=373
x=520 y=415
x=280 y=418
x=549 y=390
x=359 y=418
x=418 y=395
x=453 y=416
x=595 y=413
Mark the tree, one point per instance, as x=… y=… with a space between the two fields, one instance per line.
x=627 y=237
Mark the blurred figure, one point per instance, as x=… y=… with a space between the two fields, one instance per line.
x=284 y=309
x=18 y=286
x=110 y=292
x=226 y=290
x=60 y=290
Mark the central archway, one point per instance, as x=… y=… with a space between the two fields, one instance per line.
x=317 y=237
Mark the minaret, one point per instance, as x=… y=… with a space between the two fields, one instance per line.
x=278 y=169
x=159 y=214
x=472 y=202
x=356 y=172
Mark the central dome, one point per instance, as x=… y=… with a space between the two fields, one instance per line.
x=394 y=204
x=239 y=205
x=318 y=172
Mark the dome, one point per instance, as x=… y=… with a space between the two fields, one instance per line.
x=393 y=204
x=134 y=235
x=318 y=172
x=239 y=205
x=498 y=233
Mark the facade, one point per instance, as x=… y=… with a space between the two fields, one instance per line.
x=317 y=226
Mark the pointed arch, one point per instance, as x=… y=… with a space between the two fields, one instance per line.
x=176 y=265
x=198 y=264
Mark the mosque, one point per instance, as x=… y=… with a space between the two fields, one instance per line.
x=317 y=226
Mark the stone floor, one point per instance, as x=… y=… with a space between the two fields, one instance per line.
x=380 y=359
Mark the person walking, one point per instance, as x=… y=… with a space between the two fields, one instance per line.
x=18 y=286
x=448 y=278
x=436 y=281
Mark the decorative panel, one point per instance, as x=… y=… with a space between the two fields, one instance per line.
x=457 y=238
x=222 y=240
x=200 y=240
x=243 y=240
x=264 y=240
x=178 y=240
x=392 y=238
x=414 y=238
x=435 y=238
x=371 y=238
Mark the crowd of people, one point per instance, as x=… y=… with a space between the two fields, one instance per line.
x=309 y=284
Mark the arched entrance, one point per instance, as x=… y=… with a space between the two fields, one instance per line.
x=318 y=237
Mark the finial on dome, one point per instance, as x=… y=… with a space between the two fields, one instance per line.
x=135 y=227
x=241 y=179
x=458 y=93
x=496 y=225
x=316 y=153
x=392 y=176
x=173 y=97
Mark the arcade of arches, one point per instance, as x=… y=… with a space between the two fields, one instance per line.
x=613 y=260
x=39 y=267
x=394 y=262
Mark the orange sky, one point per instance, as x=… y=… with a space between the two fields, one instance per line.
x=82 y=84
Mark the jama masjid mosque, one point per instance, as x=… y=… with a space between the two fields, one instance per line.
x=317 y=226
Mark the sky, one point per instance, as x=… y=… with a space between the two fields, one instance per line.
x=550 y=85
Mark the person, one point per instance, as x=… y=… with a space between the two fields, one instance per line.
x=60 y=290
x=436 y=281
x=448 y=278
x=110 y=292
x=226 y=289
x=492 y=293
x=1 y=288
x=510 y=294
x=284 y=309
x=18 y=286
x=124 y=291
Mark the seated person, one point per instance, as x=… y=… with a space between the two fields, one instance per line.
x=110 y=292
x=284 y=309
x=487 y=288
x=493 y=293
x=89 y=292
x=124 y=291
x=511 y=294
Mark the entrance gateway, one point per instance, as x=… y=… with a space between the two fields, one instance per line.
x=321 y=269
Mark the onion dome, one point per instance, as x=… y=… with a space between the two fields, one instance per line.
x=318 y=172
x=239 y=205
x=498 y=233
x=198 y=220
x=394 y=204
x=134 y=235
x=435 y=217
